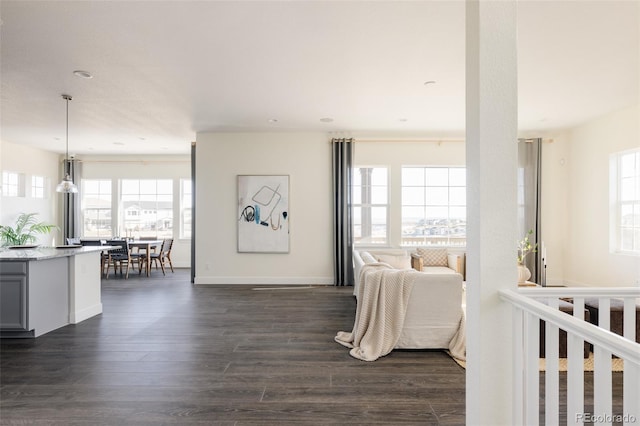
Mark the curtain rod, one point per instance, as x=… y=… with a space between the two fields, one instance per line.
x=438 y=141
x=409 y=140
x=135 y=161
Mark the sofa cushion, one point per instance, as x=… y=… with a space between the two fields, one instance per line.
x=395 y=261
x=433 y=256
x=438 y=270
x=367 y=257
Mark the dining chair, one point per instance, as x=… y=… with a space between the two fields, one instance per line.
x=167 y=253
x=91 y=242
x=137 y=254
x=119 y=256
x=160 y=257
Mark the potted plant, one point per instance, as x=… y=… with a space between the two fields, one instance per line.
x=524 y=248
x=24 y=231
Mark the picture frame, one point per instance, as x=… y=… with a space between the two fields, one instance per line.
x=263 y=213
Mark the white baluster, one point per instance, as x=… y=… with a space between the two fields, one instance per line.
x=631 y=389
x=575 y=369
x=552 y=365
x=602 y=367
x=532 y=369
x=518 y=366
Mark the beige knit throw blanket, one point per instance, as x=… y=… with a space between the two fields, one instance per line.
x=383 y=295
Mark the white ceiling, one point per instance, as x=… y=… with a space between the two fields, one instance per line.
x=166 y=70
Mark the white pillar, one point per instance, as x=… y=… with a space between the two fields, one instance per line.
x=491 y=135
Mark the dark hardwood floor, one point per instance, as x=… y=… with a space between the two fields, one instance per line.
x=165 y=352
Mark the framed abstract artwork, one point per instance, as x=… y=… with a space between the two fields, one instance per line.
x=263 y=214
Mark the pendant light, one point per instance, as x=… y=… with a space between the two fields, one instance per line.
x=67 y=185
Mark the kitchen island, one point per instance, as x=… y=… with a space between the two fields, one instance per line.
x=45 y=288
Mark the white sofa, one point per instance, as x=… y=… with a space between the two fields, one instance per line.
x=407 y=259
x=434 y=310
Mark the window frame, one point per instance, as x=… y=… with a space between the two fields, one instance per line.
x=39 y=187
x=616 y=226
x=370 y=205
x=447 y=240
x=12 y=184
x=185 y=198
x=83 y=209
x=123 y=215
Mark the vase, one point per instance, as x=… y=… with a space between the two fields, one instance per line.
x=523 y=274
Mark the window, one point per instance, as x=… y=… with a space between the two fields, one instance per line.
x=625 y=195
x=37 y=186
x=185 y=208
x=147 y=207
x=434 y=208
x=370 y=205
x=96 y=208
x=11 y=184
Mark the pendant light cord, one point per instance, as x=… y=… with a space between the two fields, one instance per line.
x=67 y=148
x=66 y=157
x=67 y=185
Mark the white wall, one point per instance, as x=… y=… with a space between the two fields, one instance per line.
x=306 y=158
x=555 y=205
x=30 y=161
x=174 y=167
x=587 y=247
x=395 y=154
x=576 y=203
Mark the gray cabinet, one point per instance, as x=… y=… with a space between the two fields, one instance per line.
x=13 y=296
x=34 y=296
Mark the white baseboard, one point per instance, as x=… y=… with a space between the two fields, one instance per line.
x=204 y=280
x=86 y=313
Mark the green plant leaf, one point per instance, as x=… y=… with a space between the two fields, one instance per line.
x=25 y=227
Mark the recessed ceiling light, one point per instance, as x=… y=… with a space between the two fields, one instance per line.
x=427 y=83
x=82 y=74
x=273 y=120
x=118 y=143
x=326 y=120
x=402 y=120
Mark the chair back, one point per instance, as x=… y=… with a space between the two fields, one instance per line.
x=166 y=245
x=91 y=242
x=121 y=248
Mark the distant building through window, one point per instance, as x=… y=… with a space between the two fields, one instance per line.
x=147 y=206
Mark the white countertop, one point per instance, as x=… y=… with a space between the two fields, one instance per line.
x=41 y=253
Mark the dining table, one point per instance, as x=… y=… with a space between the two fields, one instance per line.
x=146 y=245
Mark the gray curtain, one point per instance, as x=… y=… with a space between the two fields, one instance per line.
x=342 y=217
x=529 y=186
x=71 y=226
